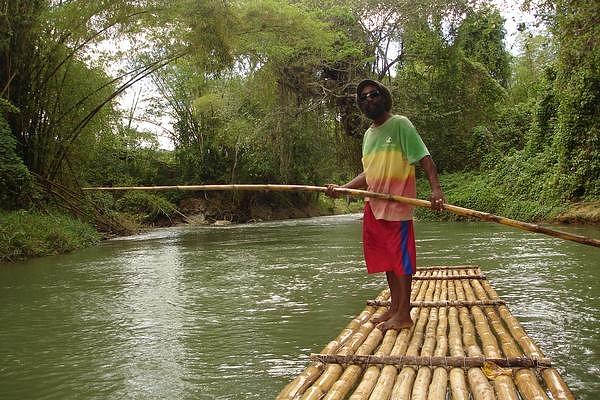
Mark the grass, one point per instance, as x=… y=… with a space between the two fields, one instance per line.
x=26 y=234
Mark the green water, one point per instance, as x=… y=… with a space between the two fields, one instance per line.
x=232 y=312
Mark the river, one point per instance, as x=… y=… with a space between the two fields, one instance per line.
x=199 y=312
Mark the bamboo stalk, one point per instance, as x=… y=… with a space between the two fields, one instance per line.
x=439 y=379
x=422 y=380
x=458 y=383
x=503 y=385
x=305 y=379
x=480 y=387
x=334 y=371
x=441 y=303
x=352 y=373
x=343 y=385
x=526 y=379
x=403 y=387
x=447 y=267
x=465 y=212
x=553 y=380
x=378 y=383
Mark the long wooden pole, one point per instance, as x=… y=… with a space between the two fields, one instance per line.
x=465 y=212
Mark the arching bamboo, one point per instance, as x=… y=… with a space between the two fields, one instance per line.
x=465 y=212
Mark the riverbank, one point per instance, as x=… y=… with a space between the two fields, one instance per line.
x=27 y=234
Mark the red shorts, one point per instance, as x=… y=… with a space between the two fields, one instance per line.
x=388 y=245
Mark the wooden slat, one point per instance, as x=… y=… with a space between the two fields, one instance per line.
x=444 y=303
x=464 y=362
x=447 y=277
x=446 y=267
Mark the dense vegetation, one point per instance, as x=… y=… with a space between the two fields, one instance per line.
x=262 y=91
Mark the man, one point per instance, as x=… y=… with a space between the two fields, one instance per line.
x=391 y=147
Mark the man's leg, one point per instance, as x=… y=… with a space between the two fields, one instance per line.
x=401 y=318
x=394 y=298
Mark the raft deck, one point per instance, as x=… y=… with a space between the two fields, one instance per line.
x=464 y=344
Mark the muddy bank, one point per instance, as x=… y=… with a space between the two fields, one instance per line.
x=223 y=208
x=581 y=213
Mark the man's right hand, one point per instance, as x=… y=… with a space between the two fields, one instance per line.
x=331 y=192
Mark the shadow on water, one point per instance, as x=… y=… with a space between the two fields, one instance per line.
x=231 y=312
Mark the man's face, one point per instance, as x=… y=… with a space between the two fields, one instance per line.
x=371 y=102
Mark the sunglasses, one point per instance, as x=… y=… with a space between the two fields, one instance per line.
x=373 y=94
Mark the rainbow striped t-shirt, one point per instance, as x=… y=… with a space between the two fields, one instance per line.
x=389 y=153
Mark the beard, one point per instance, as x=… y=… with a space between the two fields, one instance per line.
x=374 y=110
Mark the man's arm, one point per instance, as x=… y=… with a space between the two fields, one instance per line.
x=359 y=182
x=437 y=196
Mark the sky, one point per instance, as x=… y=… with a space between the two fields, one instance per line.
x=510 y=10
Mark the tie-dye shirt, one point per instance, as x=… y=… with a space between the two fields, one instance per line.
x=389 y=153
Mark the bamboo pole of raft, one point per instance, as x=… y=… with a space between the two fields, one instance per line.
x=424 y=373
x=458 y=383
x=465 y=212
x=377 y=382
x=402 y=387
x=365 y=335
x=353 y=372
x=478 y=383
x=526 y=379
x=503 y=384
x=303 y=381
x=439 y=379
x=553 y=380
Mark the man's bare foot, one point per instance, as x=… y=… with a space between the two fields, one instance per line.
x=383 y=317
x=396 y=323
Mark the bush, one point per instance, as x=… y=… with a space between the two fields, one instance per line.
x=149 y=207
x=519 y=188
x=25 y=234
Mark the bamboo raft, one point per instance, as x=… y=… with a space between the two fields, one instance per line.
x=464 y=344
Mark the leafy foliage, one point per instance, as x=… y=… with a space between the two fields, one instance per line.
x=26 y=234
x=152 y=207
x=263 y=91
x=16 y=183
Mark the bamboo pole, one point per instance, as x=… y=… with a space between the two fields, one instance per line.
x=553 y=380
x=378 y=383
x=305 y=379
x=449 y=277
x=334 y=371
x=447 y=267
x=403 y=386
x=458 y=383
x=425 y=374
x=503 y=385
x=465 y=212
x=423 y=377
x=439 y=379
x=480 y=387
